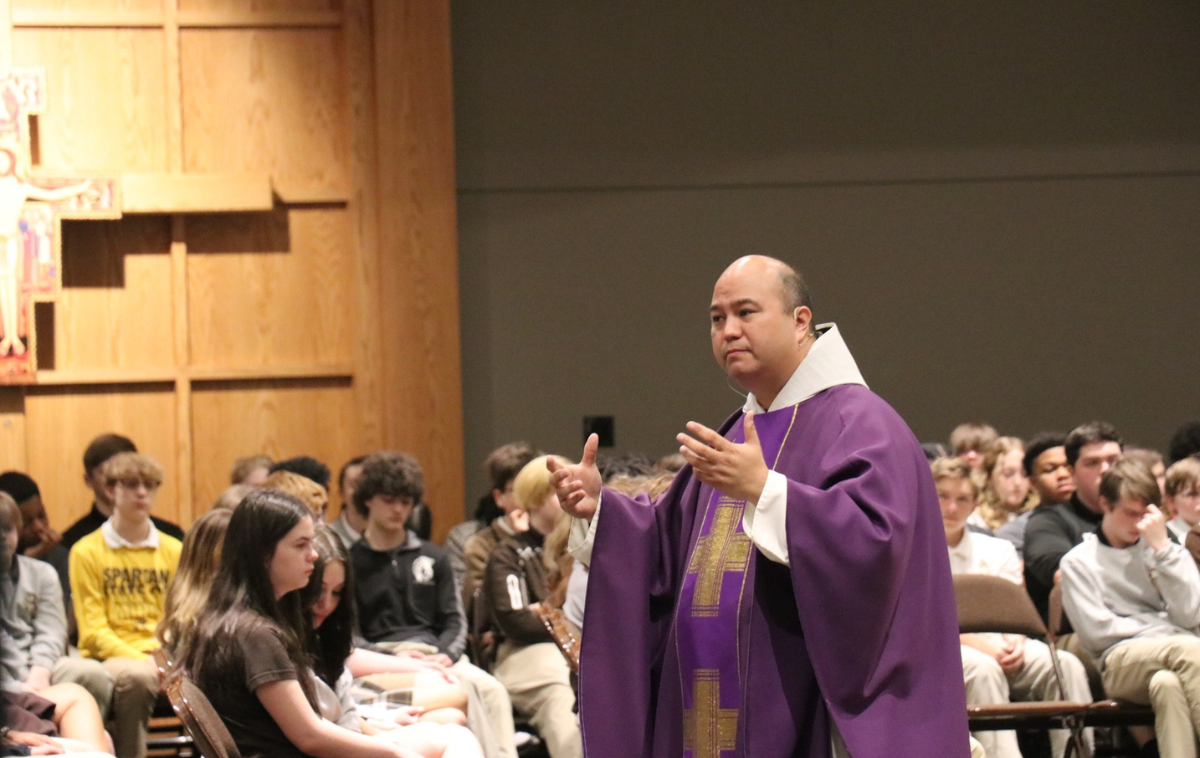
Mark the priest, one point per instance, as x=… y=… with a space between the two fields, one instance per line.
x=790 y=595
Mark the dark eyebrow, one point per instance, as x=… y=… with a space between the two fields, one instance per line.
x=736 y=304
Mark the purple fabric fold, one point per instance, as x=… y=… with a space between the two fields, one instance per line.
x=860 y=630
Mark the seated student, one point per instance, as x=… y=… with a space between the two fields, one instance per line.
x=62 y=719
x=528 y=662
x=512 y=520
x=34 y=630
x=1045 y=466
x=1005 y=493
x=305 y=466
x=1133 y=597
x=119 y=578
x=1181 y=496
x=246 y=651
x=303 y=489
x=251 y=471
x=37 y=539
x=998 y=668
x=1153 y=460
x=350 y=523
x=98 y=452
x=1091 y=449
x=502 y=466
x=971 y=441
x=405 y=587
x=424 y=721
x=1185 y=442
x=199 y=559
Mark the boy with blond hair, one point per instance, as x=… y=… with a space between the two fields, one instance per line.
x=1133 y=596
x=119 y=578
x=1181 y=496
x=998 y=668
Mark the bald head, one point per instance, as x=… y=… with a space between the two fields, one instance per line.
x=793 y=291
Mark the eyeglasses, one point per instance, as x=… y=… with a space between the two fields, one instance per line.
x=133 y=484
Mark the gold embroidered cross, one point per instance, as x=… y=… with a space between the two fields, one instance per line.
x=708 y=729
x=723 y=549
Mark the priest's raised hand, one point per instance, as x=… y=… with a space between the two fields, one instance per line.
x=733 y=469
x=578 y=486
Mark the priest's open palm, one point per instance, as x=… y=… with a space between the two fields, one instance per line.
x=578 y=485
x=736 y=470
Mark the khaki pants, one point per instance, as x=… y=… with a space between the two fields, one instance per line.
x=1163 y=672
x=90 y=675
x=539 y=682
x=135 y=689
x=987 y=684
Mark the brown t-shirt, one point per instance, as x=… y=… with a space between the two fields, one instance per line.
x=264 y=660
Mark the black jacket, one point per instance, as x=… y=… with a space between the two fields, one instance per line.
x=407 y=595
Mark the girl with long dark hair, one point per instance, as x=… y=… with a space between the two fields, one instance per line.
x=436 y=733
x=247 y=652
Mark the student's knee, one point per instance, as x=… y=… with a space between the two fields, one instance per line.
x=981 y=669
x=137 y=679
x=1165 y=686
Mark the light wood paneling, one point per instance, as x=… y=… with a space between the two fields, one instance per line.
x=419 y=265
x=364 y=210
x=12 y=429
x=267 y=6
x=263 y=290
x=115 y=309
x=106 y=97
x=266 y=101
x=85 y=6
x=60 y=424
x=279 y=419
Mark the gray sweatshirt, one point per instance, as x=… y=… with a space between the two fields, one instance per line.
x=1113 y=595
x=32 y=618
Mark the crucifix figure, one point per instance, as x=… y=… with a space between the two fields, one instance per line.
x=31 y=212
x=723 y=549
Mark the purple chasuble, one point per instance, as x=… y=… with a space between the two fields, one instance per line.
x=695 y=644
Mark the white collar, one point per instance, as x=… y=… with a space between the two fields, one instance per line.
x=116 y=541
x=963 y=548
x=827 y=364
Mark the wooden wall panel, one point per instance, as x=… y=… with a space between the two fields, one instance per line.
x=60 y=424
x=259 y=5
x=107 y=109
x=87 y=5
x=266 y=101
x=417 y=237
x=233 y=419
x=115 y=308
x=12 y=429
x=287 y=299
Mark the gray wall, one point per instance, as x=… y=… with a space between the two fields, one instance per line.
x=999 y=203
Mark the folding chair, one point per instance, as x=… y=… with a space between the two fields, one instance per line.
x=1102 y=713
x=994 y=604
x=201 y=721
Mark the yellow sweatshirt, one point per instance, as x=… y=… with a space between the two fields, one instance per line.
x=119 y=592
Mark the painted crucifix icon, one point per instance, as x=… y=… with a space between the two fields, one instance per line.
x=32 y=207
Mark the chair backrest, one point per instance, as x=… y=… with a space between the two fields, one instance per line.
x=994 y=604
x=1057 y=621
x=210 y=734
x=566 y=635
x=162 y=661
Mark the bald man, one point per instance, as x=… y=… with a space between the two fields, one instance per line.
x=790 y=595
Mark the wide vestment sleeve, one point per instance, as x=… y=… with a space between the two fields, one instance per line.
x=637 y=559
x=872 y=581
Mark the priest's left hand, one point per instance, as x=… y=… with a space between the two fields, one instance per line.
x=737 y=471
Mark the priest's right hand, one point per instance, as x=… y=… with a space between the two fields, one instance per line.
x=578 y=485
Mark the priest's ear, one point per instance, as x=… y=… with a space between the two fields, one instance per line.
x=803 y=318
